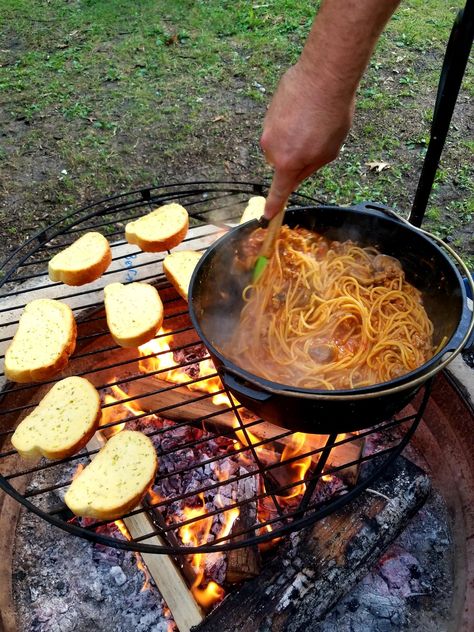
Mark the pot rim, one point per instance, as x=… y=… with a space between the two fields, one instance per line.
x=409 y=380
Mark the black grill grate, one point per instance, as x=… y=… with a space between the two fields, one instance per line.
x=197 y=440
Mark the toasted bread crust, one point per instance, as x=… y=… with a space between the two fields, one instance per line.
x=254 y=209
x=177 y=223
x=87 y=497
x=125 y=312
x=70 y=267
x=18 y=365
x=70 y=407
x=178 y=268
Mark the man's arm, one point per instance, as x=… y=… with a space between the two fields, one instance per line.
x=311 y=111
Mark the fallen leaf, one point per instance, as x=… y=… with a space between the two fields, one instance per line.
x=218 y=118
x=377 y=165
x=173 y=39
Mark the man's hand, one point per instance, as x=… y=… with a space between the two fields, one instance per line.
x=311 y=112
x=303 y=130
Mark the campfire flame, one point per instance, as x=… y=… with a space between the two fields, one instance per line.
x=162 y=360
x=296 y=470
x=77 y=471
x=262 y=451
x=117 y=409
x=229 y=516
x=196 y=534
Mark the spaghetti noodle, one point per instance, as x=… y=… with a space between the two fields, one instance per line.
x=330 y=315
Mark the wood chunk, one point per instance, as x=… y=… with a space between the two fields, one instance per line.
x=182 y=404
x=321 y=564
x=346 y=453
x=244 y=563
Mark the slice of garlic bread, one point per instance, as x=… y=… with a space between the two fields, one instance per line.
x=43 y=342
x=62 y=423
x=179 y=267
x=83 y=261
x=116 y=479
x=134 y=312
x=162 y=229
x=254 y=209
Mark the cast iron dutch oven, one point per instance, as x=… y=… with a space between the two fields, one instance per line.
x=430 y=265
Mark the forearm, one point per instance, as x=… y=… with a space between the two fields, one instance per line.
x=341 y=42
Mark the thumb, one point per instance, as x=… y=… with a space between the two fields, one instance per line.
x=282 y=186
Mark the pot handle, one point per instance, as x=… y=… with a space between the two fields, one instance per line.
x=467 y=321
x=375 y=208
x=235 y=383
x=463 y=340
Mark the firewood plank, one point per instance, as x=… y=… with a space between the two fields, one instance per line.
x=318 y=566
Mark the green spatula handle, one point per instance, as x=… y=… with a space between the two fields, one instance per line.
x=268 y=244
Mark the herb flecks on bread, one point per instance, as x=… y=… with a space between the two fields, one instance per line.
x=162 y=229
x=43 y=342
x=179 y=267
x=62 y=423
x=134 y=312
x=82 y=262
x=116 y=479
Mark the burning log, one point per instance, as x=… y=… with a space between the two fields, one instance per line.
x=320 y=564
x=244 y=563
x=175 y=404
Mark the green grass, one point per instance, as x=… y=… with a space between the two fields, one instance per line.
x=116 y=91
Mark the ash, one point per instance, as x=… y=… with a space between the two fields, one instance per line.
x=410 y=588
x=62 y=583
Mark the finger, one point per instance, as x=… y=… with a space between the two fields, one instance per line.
x=282 y=186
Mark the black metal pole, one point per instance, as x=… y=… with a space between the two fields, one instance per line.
x=454 y=65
